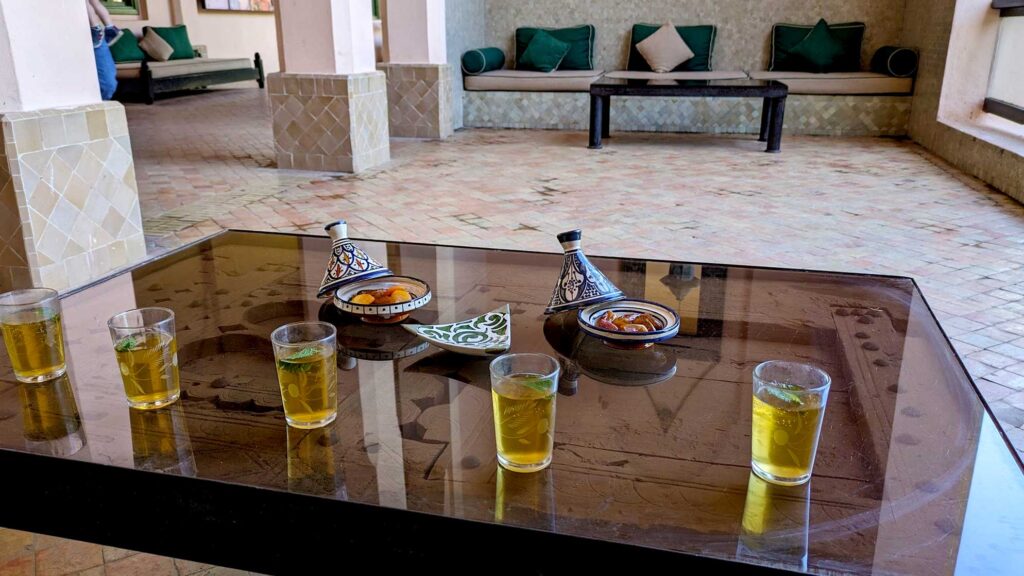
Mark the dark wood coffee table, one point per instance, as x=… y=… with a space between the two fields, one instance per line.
x=652 y=448
x=772 y=114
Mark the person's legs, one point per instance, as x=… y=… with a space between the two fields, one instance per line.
x=106 y=69
x=94 y=18
x=101 y=12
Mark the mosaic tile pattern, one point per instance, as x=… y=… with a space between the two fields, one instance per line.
x=744 y=27
x=419 y=100
x=13 y=261
x=928 y=27
x=72 y=178
x=805 y=114
x=314 y=116
x=465 y=25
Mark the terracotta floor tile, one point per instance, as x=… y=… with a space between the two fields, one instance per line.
x=66 y=557
x=141 y=565
x=22 y=566
x=14 y=544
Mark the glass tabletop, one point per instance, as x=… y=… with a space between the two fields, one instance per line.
x=652 y=447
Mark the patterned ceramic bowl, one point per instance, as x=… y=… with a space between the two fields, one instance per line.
x=383 y=313
x=629 y=340
x=485 y=335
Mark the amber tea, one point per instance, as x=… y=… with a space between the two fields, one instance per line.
x=146 y=351
x=149 y=369
x=309 y=386
x=524 y=411
x=307 y=371
x=31 y=324
x=788 y=407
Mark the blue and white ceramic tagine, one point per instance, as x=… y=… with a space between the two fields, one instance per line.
x=348 y=262
x=580 y=283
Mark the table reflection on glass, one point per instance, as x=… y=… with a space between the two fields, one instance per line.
x=652 y=447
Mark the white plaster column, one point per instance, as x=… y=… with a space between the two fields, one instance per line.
x=329 y=102
x=69 y=203
x=416 y=63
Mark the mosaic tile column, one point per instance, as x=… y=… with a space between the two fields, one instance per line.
x=329 y=122
x=69 y=204
x=419 y=99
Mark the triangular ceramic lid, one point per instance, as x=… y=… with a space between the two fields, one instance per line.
x=580 y=283
x=348 y=262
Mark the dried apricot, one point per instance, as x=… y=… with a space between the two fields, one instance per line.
x=401 y=295
x=363 y=299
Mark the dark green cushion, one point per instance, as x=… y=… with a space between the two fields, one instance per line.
x=818 y=52
x=544 y=53
x=482 y=60
x=177 y=37
x=786 y=36
x=579 y=38
x=700 y=39
x=126 y=48
x=894 y=61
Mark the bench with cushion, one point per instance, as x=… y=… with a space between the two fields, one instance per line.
x=847 y=101
x=176 y=66
x=825 y=59
x=574 y=72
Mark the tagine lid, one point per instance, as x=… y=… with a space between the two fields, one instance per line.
x=580 y=283
x=348 y=262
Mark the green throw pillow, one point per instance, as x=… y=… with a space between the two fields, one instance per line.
x=177 y=37
x=482 y=60
x=818 y=51
x=579 y=38
x=126 y=48
x=785 y=37
x=700 y=39
x=544 y=53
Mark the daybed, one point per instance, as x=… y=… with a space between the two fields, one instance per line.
x=164 y=60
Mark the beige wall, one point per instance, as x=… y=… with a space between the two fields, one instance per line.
x=225 y=35
x=744 y=26
x=928 y=27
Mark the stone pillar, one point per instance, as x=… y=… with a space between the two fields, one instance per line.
x=69 y=203
x=329 y=103
x=415 y=61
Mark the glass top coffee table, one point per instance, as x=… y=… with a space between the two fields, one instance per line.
x=652 y=447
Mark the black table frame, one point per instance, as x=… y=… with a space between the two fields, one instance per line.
x=257 y=528
x=773 y=111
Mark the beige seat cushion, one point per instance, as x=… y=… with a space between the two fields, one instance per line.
x=170 y=68
x=706 y=75
x=665 y=49
x=155 y=47
x=529 y=81
x=839 y=82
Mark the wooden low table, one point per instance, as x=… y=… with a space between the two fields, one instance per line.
x=652 y=447
x=772 y=115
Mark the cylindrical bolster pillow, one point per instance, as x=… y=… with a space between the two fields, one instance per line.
x=894 y=61
x=482 y=60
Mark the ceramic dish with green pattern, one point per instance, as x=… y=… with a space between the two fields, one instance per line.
x=485 y=335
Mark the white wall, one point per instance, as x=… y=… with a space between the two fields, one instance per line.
x=46 y=56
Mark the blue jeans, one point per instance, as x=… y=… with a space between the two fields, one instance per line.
x=106 y=70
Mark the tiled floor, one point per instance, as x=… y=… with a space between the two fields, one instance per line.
x=854 y=204
x=857 y=204
x=25 y=554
